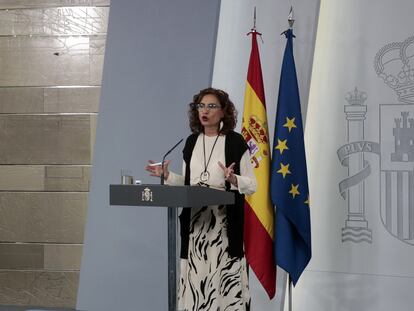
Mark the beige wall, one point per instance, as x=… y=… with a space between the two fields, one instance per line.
x=51 y=58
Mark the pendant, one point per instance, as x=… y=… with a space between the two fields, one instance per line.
x=204 y=176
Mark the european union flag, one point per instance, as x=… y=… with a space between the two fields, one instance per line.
x=289 y=180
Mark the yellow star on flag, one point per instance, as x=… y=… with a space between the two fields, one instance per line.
x=307 y=201
x=294 y=190
x=290 y=123
x=284 y=169
x=281 y=145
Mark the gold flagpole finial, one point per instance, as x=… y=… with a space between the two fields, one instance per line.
x=291 y=18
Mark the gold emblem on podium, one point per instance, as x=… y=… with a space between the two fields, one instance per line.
x=146 y=195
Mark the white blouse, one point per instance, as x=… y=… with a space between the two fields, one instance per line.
x=246 y=181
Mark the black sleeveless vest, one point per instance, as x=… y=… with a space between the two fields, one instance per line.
x=235 y=147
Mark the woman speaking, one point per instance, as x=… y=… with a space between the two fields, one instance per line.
x=213 y=274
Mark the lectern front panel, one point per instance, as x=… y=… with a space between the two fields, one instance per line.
x=170 y=196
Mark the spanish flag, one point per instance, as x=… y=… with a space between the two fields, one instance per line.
x=258 y=209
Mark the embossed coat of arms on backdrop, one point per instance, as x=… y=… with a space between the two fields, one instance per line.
x=393 y=64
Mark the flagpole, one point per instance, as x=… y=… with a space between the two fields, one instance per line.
x=293 y=245
x=291 y=18
x=290 y=293
x=253 y=29
x=254 y=19
x=258 y=237
x=291 y=21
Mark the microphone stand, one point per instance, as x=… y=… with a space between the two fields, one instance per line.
x=172 y=244
x=162 y=171
x=162 y=177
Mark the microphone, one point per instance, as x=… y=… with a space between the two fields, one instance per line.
x=163 y=159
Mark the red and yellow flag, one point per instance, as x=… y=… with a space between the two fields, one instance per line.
x=258 y=209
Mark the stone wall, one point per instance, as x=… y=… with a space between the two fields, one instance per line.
x=51 y=59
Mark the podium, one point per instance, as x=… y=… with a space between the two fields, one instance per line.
x=171 y=197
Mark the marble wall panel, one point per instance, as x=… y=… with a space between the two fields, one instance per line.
x=34 y=256
x=22 y=178
x=45 y=61
x=42 y=217
x=45 y=139
x=39 y=288
x=62 y=257
x=97 y=51
x=94 y=124
x=72 y=100
x=21 y=100
x=67 y=178
x=44 y=178
x=10 y=4
x=21 y=256
x=51 y=60
x=54 y=21
x=49 y=100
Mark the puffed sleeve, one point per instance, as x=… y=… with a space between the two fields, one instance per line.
x=246 y=181
x=175 y=179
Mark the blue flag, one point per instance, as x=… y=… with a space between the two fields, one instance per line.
x=289 y=180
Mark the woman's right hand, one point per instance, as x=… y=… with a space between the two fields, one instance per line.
x=156 y=170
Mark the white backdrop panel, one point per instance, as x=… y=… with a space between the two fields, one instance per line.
x=230 y=72
x=362 y=245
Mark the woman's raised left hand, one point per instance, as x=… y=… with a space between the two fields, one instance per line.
x=229 y=173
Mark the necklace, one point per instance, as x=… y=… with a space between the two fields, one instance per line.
x=205 y=175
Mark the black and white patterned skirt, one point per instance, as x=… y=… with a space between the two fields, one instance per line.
x=210 y=279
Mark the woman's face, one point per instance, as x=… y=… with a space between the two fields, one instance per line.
x=210 y=117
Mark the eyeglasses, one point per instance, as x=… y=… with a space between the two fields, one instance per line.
x=202 y=106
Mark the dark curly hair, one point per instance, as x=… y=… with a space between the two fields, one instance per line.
x=230 y=112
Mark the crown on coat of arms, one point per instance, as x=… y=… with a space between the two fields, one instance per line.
x=393 y=64
x=257 y=130
x=356 y=97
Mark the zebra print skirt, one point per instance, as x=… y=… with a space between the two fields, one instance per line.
x=209 y=278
